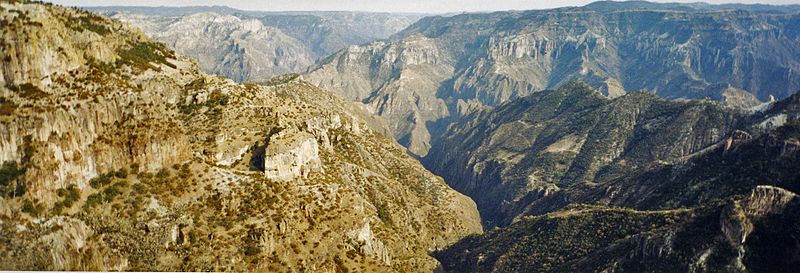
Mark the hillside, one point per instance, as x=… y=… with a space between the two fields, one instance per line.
x=119 y=154
x=582 y=183
x=510 y=156
x=750 y=233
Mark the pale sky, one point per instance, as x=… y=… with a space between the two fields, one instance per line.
x=425 y=6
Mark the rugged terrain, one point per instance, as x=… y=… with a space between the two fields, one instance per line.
x=508 y=157
x=118 y=154
x=756 y=232
x=442 y=68
x=583 y=183
x=255 y=46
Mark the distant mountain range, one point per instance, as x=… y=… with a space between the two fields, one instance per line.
x=441 y=68
x=256 y=46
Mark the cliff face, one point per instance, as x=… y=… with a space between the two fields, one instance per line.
x=239 y=49
x=255 y=46
x=442 y=67
x=118 y=154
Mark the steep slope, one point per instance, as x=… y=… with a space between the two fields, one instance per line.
x=654 y=205
x=442 y=67
x=750 y=233
x=120 y=155
x=255 y=46
x=508 y=157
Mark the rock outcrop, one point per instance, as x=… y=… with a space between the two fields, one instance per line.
x=289 y=156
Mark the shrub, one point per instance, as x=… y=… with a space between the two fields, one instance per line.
x=9 y=186
x=93 y=200
x=28 y=90
x=100 y=181
x=121 y=173
x=32 y=208
x=88 y=22
x=9 y=171
x=7 y=107
x=135 y=168
x=162 y=174
x=71 y=194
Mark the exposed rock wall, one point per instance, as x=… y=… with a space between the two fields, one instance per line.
x=290 y=157
x=421 y=77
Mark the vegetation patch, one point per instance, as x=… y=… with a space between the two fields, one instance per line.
x=107 y=195
x=142 y=55
x=70 y=195
x=278 y=80
x=215 y=99
x=9 y=185
x=89 y=21
x=28 y=91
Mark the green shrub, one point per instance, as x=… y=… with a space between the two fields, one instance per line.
x=163 y=173
x=383 y=214
x=7 y=107
x=107 y=195
x=34 y=209
x=121 y=173
x=28 y=90
x=100 y=181
x=135 y=168
x=9 y=185
x=9 y=171
x=789 y=130
x=71 y=194
x=93 y=200
x=90 y=22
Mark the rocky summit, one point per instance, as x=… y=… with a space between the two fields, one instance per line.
x=442 y=68
x=118 y=154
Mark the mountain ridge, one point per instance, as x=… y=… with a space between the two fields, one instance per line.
x=439 y=67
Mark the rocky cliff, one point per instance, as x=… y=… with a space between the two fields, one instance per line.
x=240 y=49
x=118 y=154
x=256 y=46
x=443 y=67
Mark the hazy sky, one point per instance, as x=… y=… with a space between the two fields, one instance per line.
x=428 y=6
